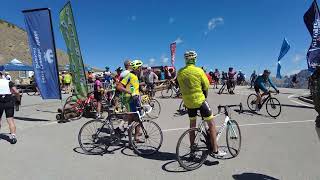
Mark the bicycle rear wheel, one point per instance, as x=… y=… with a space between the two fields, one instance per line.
x=251 y=102
x=233 y=138
x=166 y=93
x=75 y=108
x=191 y=157
x=95 y=137
x=156 y=109
x=273 y=107
x=149 y=139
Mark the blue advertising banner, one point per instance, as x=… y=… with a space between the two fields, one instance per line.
x=312 y=21
x=284 y=50
x=43 y=52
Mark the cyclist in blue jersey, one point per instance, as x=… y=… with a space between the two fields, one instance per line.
x=260 y=83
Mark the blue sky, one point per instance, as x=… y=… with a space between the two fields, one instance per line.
x=245 y=34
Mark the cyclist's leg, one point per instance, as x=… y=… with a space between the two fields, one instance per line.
x=134 y=107
x=192 y=113
x=207 y=115
x=98 y=97
x=258 y=101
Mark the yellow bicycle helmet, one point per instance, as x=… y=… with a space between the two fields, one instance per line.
x=136 y=64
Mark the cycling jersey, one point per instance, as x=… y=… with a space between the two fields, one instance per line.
x=261 y=81
x=131 y=82
x=193 y=81
x=67 y=79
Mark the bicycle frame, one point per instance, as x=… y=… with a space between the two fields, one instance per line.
x=226 y=123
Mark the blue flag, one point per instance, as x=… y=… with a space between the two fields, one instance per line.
x=284 y=49
x=312 y=21
x=43 y=52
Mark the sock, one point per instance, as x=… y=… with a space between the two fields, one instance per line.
x=13 y=135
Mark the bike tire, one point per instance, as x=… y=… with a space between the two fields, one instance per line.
x=183 y=157
x=251 y=102
x=79 y=110
x=96 y=142
x=156 y=109
x=141 y=148
x=221 y=89
x=273 y=103
x=230 y=135
x=167 y=93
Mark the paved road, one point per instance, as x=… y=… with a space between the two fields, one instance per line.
x=282 y=148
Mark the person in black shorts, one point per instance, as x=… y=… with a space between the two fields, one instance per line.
x=98 y=88
x=7 y=103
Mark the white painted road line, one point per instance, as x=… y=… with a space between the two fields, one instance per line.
x=300 y=103
x=257 y=124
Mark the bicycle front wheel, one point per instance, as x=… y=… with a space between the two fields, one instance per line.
x=145 y=137
x=166 y=93
x=251 y=102
x=156 y=109
x=233 y=138
x=95 y=137
x=191 y=157
x=273 y=107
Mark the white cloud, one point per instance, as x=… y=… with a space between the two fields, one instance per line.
x=178 y=40
x=213 y=23
x=171 y=20
x=152 y=61
x=133 y=18
x=297 y=58
x=164 y=59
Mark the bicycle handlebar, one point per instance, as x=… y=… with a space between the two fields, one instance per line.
x=226 y=107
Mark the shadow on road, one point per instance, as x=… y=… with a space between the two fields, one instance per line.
x=174 y=167
x=5 y=136
x=296 y=106
x=30 y=119
x=252 y=176
x=46 y=111
x=251 y=113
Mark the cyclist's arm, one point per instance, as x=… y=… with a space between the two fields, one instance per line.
x=272 y=85
x=156 y=76
x=121 y=86
x=261 y=85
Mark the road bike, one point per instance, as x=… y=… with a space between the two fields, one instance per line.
x=191 y=157
x=96 y=136
x=170 y=90
x=227 y=84
x=273 y=105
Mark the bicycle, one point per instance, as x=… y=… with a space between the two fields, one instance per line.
x=102 y=134
x=77 y=108
x=32 y=90
x=151 y=106
x=226 y=83
x=271 y=104
x=168 y=92
x=197 y=153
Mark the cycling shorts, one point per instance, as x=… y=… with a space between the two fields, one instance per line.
x=205 y=112
x=132 y=103
x=7 y=106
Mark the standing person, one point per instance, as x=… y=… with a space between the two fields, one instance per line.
x=216 y=77
x=7 y=75
x=97 y=92
x=231 y=79
x=194 y=88
x=127 y=66
x=117 y=77
x=7 y=89
x=150 y=79
x=294 y=80
x=253 y=78
x=211 y=73
x=130 y=86
x=60 y=80
x=90 y=77
x=315 y=89
x=67 y=82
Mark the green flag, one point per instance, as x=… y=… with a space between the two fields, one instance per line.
x=68 y=30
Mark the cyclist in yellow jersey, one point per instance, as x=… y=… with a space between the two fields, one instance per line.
x=194 y=86
x=67 y=82
x=130 y=85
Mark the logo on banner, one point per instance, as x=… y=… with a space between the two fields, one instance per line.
x=48 y=56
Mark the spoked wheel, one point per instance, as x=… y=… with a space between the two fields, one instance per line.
x=74 y=108
x=191 y=157
x=273 y=107
x=156 y=109
x=145 y=137
x=182 y=108
x=251 y=102
x=166 y=93
x=233 y=138
x=95 y=137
